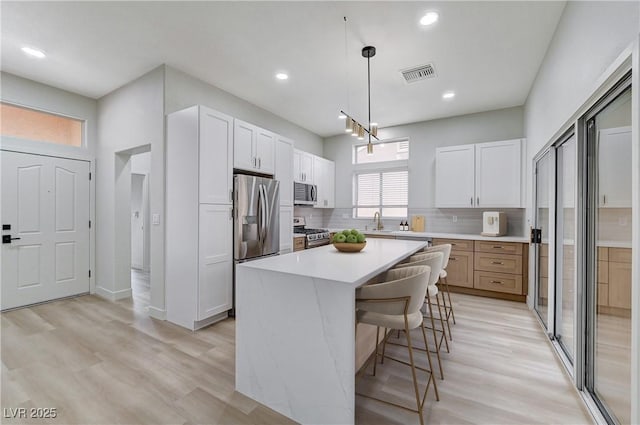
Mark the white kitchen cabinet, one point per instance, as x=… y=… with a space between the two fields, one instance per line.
x=303 y=167
x=216 y=157
x=325 y=179
x=455 y=176
x=284 y=170
x=199 y=260
x=286 y=230
x=484 y=175
x=498 y=171
x=215 y=260
x=253 y=148
x=614 y=167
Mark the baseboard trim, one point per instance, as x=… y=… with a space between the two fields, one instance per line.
x=210 y=320
x=113 y=295
x=157 y=313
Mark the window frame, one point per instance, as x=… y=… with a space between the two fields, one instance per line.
x=379 y=168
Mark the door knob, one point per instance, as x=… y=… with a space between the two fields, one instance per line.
x=8 y=239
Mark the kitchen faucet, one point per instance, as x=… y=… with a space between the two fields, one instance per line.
x=376 y=218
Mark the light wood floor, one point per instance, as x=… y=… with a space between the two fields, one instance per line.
x=107 y=363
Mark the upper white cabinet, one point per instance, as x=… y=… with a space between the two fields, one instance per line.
x=199 y=223
x=216 y=157
x=485 y=175
x=324 y=174
x=303 y=167
x=614 y=167
x=498 y=170
x=253 y=148
x=284 y=170
x=455 y=176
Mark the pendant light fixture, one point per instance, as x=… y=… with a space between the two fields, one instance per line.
x=352 y=126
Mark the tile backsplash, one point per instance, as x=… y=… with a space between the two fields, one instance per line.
x=468 y=221
x=314 y=217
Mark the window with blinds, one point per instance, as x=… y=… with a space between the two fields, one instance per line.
x=381 y=182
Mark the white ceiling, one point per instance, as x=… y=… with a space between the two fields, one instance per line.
x=487 y=52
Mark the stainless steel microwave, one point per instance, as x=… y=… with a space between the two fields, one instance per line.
x=305 y=194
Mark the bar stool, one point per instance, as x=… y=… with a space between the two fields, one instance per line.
x=395 y=304
x=434 y=261
x=448 y=309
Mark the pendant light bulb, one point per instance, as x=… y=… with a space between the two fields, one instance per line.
x=369 y=148
x=374 y=131
x=354 y=128
x=348 y=127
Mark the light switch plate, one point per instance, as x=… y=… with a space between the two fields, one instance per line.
x=155 y=218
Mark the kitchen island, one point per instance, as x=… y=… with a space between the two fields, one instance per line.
x=295 y=327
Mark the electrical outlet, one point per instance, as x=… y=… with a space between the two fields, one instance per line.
x=155 y=219
x=454 y=218
x=622 y=221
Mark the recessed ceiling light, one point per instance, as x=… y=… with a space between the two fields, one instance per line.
x=342 y=117
x=448 y=95
x=282 y=76
x=33 y=52
x=429 y=19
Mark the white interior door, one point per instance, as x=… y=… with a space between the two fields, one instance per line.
x=45 y=201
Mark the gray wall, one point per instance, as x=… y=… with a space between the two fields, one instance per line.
x=23 y=92
x=129 y=117
x=424 y=138
x=183 y=90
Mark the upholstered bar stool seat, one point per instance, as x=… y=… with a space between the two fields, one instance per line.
x=444 y=285
x=395 y=304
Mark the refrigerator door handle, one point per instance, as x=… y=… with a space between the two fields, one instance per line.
x=265 y=214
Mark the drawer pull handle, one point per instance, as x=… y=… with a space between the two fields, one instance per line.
x=452 y=258
x=454 y=244
x=497 y=262
x=499 y=282
x=498 y=246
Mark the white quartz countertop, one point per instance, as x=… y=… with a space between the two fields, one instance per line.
x=465 y=236
x=327 y=263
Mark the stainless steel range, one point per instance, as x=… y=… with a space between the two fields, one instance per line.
x=313 y=237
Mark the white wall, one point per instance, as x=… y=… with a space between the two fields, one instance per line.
x=424 y=138
x=183 y=90
x=130 y=117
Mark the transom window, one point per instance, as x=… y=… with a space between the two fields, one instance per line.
x=381 y=180
x=28 y=124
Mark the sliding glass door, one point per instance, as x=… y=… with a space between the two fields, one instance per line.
x=608 y=253
x=565 y=253
x=541 y=234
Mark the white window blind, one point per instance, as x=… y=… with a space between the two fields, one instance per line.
x=386 y=192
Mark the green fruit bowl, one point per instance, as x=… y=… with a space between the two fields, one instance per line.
x=349 y=247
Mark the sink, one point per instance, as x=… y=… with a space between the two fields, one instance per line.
x=377 y=231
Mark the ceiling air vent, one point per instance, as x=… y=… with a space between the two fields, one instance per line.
x=418 y=73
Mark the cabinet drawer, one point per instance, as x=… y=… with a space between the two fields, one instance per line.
x=500 y=263
x=456 y=244
x=603 y=253
x=499 y=282
x=619 y=284
x=499 y=247
x=620 y=255
x=603 y=272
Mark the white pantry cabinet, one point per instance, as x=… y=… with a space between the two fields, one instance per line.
x=614 y=168
x=303 y=167
x=199 y=259
x=324 y=174
x=455 y=176
x=284 y=170
x=286 y=230
x=485 y=175
x=253 y=148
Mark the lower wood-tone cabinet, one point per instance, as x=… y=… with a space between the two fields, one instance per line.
x=488 y=268
x=298 y=243
x=619 y=278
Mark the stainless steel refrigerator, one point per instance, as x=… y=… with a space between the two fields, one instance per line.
x=256 y=221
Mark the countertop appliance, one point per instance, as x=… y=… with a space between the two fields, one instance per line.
x=256 y=217
x=494 y=223
x=313 y=237
x=305 y=194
